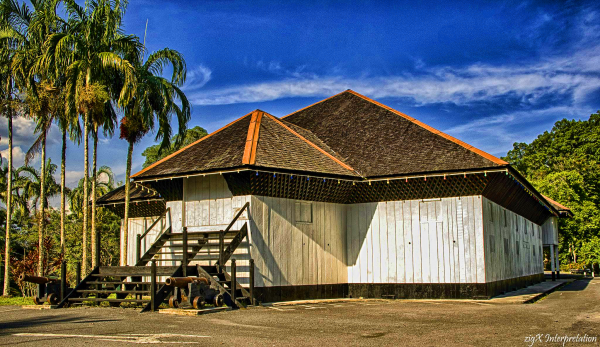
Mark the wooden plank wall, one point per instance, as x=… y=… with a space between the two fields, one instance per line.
x=290 y=252
x=210 y=205
x=138 y=226
x=504 y=231
x=416 y=241
x=550 y=231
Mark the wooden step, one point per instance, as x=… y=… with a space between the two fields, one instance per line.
x=108 y=291
x=135 y=271
x=108 y=300
x=214 y=234
x=117 y=283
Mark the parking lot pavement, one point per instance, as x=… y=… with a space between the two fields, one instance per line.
x=571 y=310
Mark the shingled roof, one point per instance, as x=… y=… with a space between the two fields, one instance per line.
x=136 y=193
x=347 y=134
x=257 y=139
x=377 y=140
x=563 y=210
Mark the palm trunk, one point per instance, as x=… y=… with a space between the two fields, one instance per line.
x=124 y=233
x=8 y=208
x=94 y=178
x=62 y=191
x=86 y=164
x=42 y=219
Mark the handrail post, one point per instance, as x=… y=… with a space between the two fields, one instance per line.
x=63 y=280
x=184 y=261
x=233 y=284
x=153 y=285
x=97 y=247
x=251 y=288
x=221 y=247
x=77 y=273
x=138 y=248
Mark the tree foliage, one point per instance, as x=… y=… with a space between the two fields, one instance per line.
x=563 y=164
x=153 y=153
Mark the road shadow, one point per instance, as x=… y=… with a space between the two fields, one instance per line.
x=578 y=285
x=38 y=321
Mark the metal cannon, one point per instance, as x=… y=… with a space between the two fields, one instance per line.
x=37 y=279
x=193 y=291
x=48 y=288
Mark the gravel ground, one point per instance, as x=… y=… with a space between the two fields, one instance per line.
x=571 y=310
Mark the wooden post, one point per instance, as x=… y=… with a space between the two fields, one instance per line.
x=221 y=248
x=552 y=263
x=184 y=261
x=251 y=289
x=77 y=273
x=233 y=280
x=153 y=285
x=97 y=247
x=557 y=264
x=138 y=248
x=63 y=280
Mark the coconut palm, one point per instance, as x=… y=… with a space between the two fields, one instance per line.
x=107 y=120
x=29 y=180
x=105 y=182
x=156 y=100
x=91 y=51
x=42 y=99
x=12 y=19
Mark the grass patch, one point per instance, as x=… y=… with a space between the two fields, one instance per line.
x=17 y=300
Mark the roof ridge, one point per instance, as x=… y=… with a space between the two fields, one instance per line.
x=315 y=135
x=252 y=138
x=316 y=103
x=341 y=163
x=432 y=129
x=188 y=146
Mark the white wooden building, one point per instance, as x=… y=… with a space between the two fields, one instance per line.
x=348 y=197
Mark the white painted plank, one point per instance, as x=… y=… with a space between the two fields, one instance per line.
x=383 y=242
x=370 y=212
x=362 y=221
x=425 y=249
x=392 y=248
x=376 y=245
x=400 y=271
x=408 y=244
x=416 y=241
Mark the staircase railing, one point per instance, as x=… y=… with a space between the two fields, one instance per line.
x=225 y=254
x=138 y=244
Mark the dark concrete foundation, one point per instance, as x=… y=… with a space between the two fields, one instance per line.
x=396 y=290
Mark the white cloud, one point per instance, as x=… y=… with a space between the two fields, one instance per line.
x=18 y=156
x=496 y=134
x=197 y=78
x=575 y=76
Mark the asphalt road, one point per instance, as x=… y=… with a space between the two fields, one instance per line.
x=573 y=309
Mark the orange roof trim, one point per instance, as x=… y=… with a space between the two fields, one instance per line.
x=560 y=206
x=341 y=163
x=252 y=139
x=188 y=146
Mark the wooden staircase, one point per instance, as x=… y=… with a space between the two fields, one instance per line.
x=169 y=255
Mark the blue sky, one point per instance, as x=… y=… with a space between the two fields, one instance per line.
x=489 y=73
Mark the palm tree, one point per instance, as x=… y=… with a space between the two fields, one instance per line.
x=68 y=125
x=89 y=50
x=105 y=182
x=156 y=100
x=42 y=100
x=108 y=121
x=12 y=19
x=30 y=181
